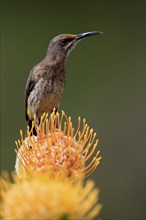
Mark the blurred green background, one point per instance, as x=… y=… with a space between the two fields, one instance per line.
x=105 y=84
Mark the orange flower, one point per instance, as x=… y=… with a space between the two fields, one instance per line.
x=58 y=150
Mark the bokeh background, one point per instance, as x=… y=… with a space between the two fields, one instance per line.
x=105 y=84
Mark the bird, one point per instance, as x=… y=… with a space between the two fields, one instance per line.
x=47 y=79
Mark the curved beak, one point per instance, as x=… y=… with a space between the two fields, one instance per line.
x=76 y=39
x=87 y=34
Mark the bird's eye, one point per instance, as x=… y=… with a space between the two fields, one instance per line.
x=64 y=41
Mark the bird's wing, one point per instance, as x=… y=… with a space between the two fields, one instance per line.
x=29 y=87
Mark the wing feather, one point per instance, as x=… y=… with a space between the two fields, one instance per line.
x=29 y=87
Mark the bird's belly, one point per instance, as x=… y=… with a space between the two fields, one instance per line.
x=48 y=104
x=44 y=97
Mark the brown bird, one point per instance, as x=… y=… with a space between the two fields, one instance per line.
x=46 y=80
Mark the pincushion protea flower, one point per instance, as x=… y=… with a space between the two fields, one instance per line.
x=43 y=198
x=58 y=150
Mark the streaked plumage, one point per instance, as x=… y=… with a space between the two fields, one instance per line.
x=46 y=80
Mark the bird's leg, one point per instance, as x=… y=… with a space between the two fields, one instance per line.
x=37 y=122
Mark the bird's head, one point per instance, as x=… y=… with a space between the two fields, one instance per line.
x=61 y=45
